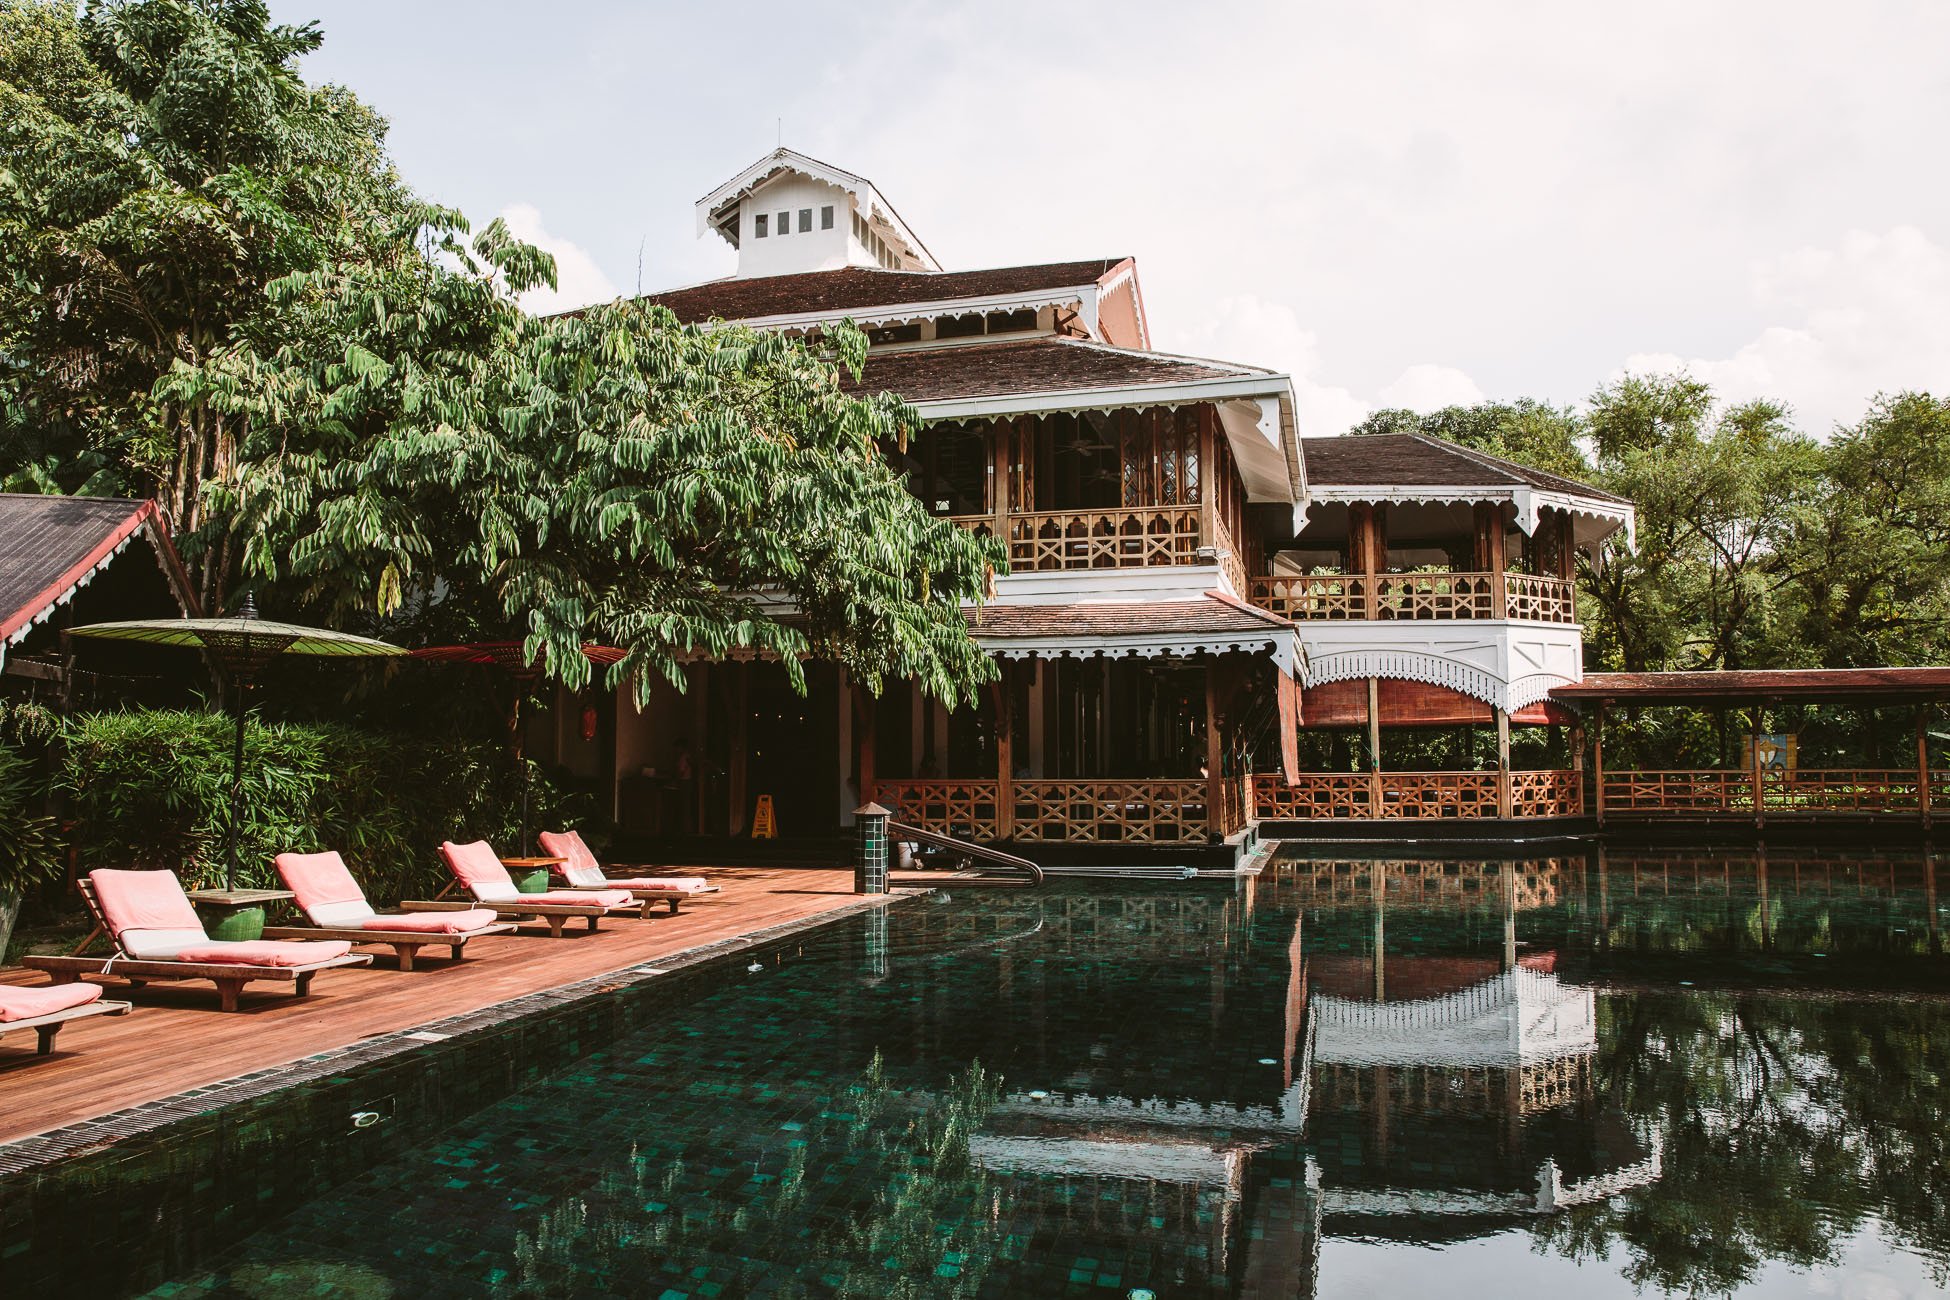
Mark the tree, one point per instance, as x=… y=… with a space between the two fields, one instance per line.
x=213 y=283
x=164 y=162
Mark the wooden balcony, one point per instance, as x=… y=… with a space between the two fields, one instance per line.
x=1048 y=540
x=1355 y=596
x=1414 y=796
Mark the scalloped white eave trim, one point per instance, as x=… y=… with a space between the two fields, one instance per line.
x=1436 y=671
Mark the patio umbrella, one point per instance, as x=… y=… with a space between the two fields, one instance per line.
x=242 y=646
x=508 y=657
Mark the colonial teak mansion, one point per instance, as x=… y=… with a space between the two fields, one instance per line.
x=1194 y=583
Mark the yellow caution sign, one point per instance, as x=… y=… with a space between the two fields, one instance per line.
x=765 y=822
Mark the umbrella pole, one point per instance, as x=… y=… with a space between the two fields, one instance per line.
x=236 y=786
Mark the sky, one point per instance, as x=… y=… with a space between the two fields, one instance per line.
x=1398 y=204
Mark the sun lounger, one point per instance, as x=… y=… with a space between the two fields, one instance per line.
x=158 y=936
x=580 y=869
x=479 y=871
x=337 y=909
x=46 y=1010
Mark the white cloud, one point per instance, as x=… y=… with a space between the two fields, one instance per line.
x=1428 y=387
x=578 y=280
x=1871 y=315
x=1248 y=329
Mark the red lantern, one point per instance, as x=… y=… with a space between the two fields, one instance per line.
x=589 y=721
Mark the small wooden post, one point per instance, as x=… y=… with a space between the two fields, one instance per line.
x=999 y=465
x=1374 y=747
x=1005 y=761
x=1923 y=764
x=1361 y=539
x=1505 y=808
x=1499 y=565
x=1598 y=763
x=1214 y=754
x=1753 y=763
x=1208 y=503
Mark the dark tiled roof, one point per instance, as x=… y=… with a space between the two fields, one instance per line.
x=1216 y=615
x=854 y=288
x=1418 y=460
x=1042 y=365
x=1742 y=685
x=49 y=543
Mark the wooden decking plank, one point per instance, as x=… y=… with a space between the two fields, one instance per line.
x=177 y=1039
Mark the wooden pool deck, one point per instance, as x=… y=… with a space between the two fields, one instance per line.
x=176 y=1038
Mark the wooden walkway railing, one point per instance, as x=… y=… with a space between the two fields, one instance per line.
x=1408 y=796
x=1719 y=792
x=1086 y=812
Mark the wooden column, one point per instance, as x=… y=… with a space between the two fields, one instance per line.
x=1499 y=565
x=866 y=718
x=999 y=464
x=1753 y=767
x=1005 y=756
x=741 y=696
x=1923 y=763
x=1374 y=747
x=1214 y=753
x=1504 y=805
x=1598 y=764
x=1362 y=535
x=1208 y=478
x=1577 y=758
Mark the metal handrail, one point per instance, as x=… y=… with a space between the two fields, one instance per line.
x=903 y=831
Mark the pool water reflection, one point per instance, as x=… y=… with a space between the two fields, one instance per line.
x=1695 y=1072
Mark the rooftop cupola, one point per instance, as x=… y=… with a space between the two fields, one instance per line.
x=787 y=213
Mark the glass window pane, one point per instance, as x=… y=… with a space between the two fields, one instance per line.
x=758 y=225
x=826 y=217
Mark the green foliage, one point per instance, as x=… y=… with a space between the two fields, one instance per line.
x=152 y=789
x=212 y=284
x=30 y=849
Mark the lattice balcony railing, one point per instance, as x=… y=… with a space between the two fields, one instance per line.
x=964 y=809
x=1316 y=597
x=1412 y=796
x=1128 y=812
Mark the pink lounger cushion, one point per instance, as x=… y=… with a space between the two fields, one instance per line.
x=318 y=879
x=432 y=922
x=579 y=867
x=475 y=864
x=30 y=1004
x=264 y=952
x=143 y=900
x=664 y=884
x=577 y=898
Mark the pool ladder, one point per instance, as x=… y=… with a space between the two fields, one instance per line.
x=1024 y=873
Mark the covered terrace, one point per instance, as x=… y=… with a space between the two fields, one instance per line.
x=1772 y=778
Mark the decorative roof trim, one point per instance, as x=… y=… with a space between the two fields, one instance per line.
x=1529 y=501
x=902 y=313
x=1187 y=392
x=1282 y=645
x=1414 y=666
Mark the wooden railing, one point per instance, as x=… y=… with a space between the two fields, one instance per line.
x=964 y=809
x=1096 y=539
x=1129 y=812
x=1729 y=793
x=1336 y=596
x=1126 y=812
x=1435 y=595
x=1540 y=600
x=1316 y=597
x=1412 y=796
x=1557 y=793
x=1231 y=561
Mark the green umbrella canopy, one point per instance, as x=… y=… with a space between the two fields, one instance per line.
x=242 y=644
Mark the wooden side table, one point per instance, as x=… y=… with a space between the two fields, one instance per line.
x=236 y=914
x=531 y=874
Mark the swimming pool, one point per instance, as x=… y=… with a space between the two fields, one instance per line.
x=1700 y=1072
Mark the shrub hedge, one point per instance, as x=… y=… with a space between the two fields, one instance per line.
x=152 y=789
